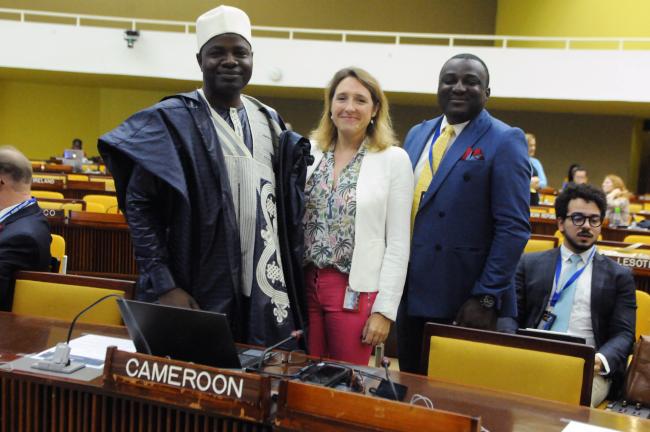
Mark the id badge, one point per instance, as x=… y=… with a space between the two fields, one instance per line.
x=547 y=321
x=351 y=299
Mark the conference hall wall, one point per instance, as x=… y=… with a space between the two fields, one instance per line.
x=419 y=16
x=574 y=18
x=42 y=118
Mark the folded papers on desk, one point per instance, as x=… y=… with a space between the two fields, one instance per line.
x=90 y=349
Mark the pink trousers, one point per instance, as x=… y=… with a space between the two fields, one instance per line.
x=333 y=331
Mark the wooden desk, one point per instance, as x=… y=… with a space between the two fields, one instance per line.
x=31 y=401
x=640 y=266
x=73 y=189
x=46 y=167
x=543 y=226
x=97 y=244
x=548 y=226
x=27 y=399
x=619 y=234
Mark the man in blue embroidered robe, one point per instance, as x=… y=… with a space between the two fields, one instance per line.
x=196 y=175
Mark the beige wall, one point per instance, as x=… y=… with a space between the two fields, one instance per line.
x=586 y=18
x=428 y=16
x=599 y=142
x=42 y=119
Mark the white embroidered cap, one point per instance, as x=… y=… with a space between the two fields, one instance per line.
x=221 y=20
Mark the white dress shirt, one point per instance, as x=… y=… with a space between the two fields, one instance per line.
x=580 y=320
x=424 y=157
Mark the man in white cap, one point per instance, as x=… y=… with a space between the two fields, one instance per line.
x=197 y=176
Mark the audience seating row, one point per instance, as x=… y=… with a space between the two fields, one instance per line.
x=91 y=203
x=40 y=166
x=73 y=186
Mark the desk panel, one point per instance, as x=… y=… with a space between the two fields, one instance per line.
x=27 y=398
x=32 y=402
x=97 y=249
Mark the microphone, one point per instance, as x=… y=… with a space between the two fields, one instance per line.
x=60 y=361
x=296 y=334
x=385 y=362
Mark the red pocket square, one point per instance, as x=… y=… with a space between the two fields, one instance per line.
x=467 y=153
x=477 y=154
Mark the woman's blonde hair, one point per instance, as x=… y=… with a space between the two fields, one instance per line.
x=379 y=134
x=618 y=183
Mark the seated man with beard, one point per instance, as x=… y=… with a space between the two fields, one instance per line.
x=573 y=289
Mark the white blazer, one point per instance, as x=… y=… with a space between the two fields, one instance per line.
x=381 y=227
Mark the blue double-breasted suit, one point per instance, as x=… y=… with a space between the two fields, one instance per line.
x=473 y=221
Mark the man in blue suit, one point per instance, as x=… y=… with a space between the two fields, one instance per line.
x=470 y=212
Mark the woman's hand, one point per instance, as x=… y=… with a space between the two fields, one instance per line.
x=376 y=329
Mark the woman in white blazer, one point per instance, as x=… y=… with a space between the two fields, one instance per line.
x=358 y=207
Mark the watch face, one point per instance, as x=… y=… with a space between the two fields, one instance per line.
x=487 y=301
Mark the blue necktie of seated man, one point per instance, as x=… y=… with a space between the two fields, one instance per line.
x=564 y=305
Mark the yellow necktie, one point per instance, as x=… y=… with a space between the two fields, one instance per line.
x=426 y=175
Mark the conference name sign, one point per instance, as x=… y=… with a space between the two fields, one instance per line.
x=180 y=376
x=633 y=262
x=188 y=384
x=42 y=180
x=53 y=213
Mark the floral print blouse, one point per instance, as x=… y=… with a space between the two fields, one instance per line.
x=330 y=213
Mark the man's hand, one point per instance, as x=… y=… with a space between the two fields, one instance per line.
x=472 y=314
x=178 y=297
x=598 y=365
x=376 y=329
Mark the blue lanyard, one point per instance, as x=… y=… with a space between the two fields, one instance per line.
x=18 y=208
x=433 y=141
x=558 y=269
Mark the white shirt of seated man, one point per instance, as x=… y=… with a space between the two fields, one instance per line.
x=580 y=239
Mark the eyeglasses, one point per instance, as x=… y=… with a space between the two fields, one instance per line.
x=579 y=220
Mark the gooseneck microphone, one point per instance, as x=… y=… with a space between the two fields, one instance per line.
x=60 y=361
x=296 y=334
x=385 y=362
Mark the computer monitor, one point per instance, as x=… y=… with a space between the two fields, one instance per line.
x=182 y=334
x=547 y=334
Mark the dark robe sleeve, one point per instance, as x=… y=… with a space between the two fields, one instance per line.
x=145 y=216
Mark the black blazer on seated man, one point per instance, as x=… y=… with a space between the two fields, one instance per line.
x=613 y=302
x=24 y=245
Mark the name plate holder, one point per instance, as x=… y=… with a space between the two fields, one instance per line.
x=54 y=214
x=634 y=262
x=226 y=392
x=310 y=407
x=47 y=183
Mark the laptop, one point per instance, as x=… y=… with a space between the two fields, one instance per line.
x=74 y=158
x=190 y=335
x=548 y=334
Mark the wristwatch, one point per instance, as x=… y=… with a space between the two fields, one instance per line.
x=487 y=301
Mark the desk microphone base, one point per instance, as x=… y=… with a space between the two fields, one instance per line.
x=58 y=367
x=60 y=362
